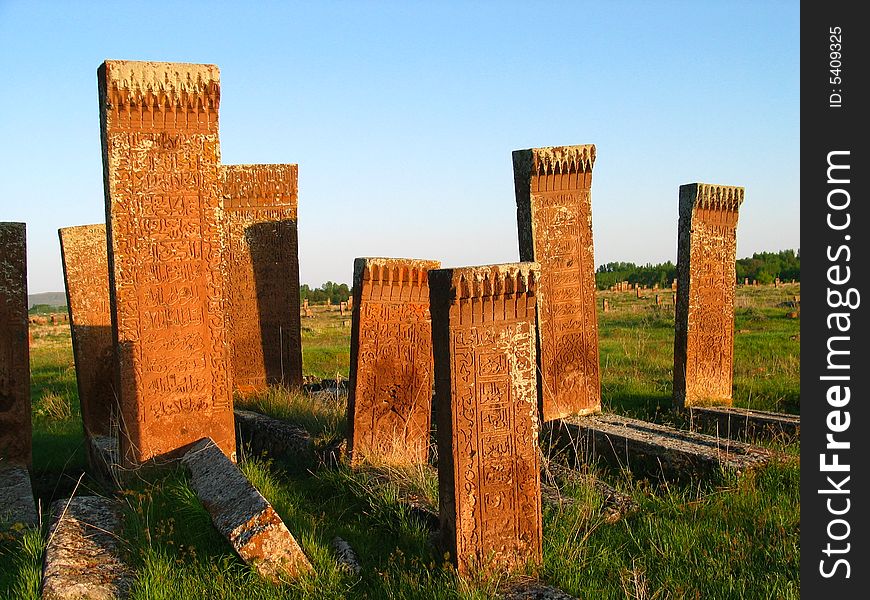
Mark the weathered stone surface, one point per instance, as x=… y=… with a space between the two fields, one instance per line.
x=743 y=423
x=103 y=460
x=483 y=332
x=264 y=435
x=16 y=497
x=242 y=515
x=390 y=388
x=84 y=554
x=554 y=222
x=262 y=262
x=707 y=278
x=535 y=591
x=15 y=427
x=345 y=555
x=86 y=277
x=652 y=449
x=163 y=188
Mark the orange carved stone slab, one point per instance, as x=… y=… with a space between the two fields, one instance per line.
x=706 y=280
x=86 y=277
x=554 y=223
x=161 y=154
x=262 y=269
x=483 y=335
x=391 y=377
x=15 y=427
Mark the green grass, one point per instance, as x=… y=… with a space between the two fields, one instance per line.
x=734 y=538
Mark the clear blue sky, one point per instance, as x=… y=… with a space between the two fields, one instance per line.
x=402 y=115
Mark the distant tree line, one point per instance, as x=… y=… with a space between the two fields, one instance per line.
x=763 y=267
x=334 y=292
x=46 y=309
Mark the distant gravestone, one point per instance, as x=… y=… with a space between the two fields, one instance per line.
x=15 y=427
x=390 y=393
x=554 y=222
x=704 y=321
x=86 y=277
x=605 y=305
x=342 y=307
x=483 y=331
x=305 y=303
x=350 y=303
x=262 y=262
x=746 y=281
x=163 y=188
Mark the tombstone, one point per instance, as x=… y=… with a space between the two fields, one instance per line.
x=305 y=303
x=53 y=319
x=262 y=276
x=86 y=278
x=755 y=282
x=746 y=281
x=655 y=286
x=704 y=321
x=342 y=307
x=390 y=391
x=161 y=152
x=15 y=426
x=658 y=300
x=776 y=282
x=350 y=303
x=483 y=334
x=637 y=292
x=554 y=221
x=605 y=305
x=674 y=285
x=309 y=313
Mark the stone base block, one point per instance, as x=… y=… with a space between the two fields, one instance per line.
x=743 y=423
x=16 y=498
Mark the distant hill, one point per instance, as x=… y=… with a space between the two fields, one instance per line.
x=49 y=298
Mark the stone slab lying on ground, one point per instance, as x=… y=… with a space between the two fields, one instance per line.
x=345 y=555
x=652 y=449
x=276 y=438
x=744 y=423
x=16 y=497
x=83 y=555
x=242 y=515
x=103 y=460
x=535 y=591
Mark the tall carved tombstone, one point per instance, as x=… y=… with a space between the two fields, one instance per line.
x=161 y=153
x=15 y=426
x=262 y=270
x=554 y=223
x=483 y=336
x=391 y=374
x=706 y=279
x=86 y=277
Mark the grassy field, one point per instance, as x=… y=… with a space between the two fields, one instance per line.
x=733 y=538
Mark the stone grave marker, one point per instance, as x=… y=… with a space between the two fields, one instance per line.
x=15 y=426
x=704 y=321
x=483 y=332
x=554 y=222
x=161 y=152
x=262 y=270
x=86 y=278
x=390 y=391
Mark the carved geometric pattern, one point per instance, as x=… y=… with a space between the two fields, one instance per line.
x=483 y=324
x=261 y=254
x=554 y=219
x=86 y=277
x=391 y=378
x=15 y=427
x=706 y=280
x=161 y=153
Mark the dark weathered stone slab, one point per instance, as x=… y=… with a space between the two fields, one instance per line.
x=16 y=497
x=163 y=188
x=743 y=423
x=345 y=555
x=242 y=515
x=390 y=388
x=707 y=278
x=535 y=591
x=86 y=277
x=483 y=332
x=262 y=269
x=84 y=553
x=262 y=434
x=554 y=222
x=103 y=460
x=15 y=427
x=652 y=449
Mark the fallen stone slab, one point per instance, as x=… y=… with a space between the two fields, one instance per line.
x=84 y=553
x=242 y=515
x=266 y=435
x=744 y=423
x=616 y=504
x=652 y=449
x=16 y=498
x=535 y=591
x=102 y=451
x=345 y=555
